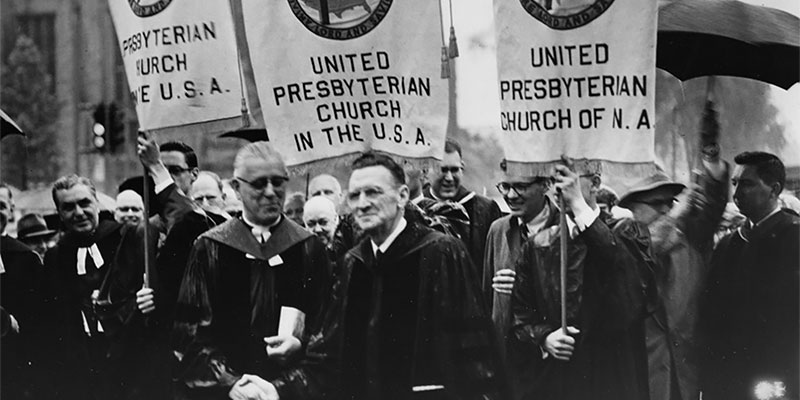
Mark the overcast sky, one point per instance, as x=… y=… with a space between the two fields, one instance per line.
x=478 y=103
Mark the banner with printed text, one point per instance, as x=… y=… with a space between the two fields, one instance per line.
x=181 y=61
x=577 y=77
x=339 y=77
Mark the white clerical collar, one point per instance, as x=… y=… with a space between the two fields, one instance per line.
x=775 y=211
x=389 y=240
x=538 y=222
x=261 y=232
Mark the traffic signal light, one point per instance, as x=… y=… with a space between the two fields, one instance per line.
x=108 y=129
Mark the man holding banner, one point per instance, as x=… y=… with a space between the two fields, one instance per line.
x=600 y=353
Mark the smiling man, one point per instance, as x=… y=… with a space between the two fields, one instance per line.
x=95 y=282
x=447 y=190
x=531 y=212
x=243 y=278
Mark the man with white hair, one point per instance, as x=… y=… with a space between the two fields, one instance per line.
x=129 y=209
x=250 y=286
x=321 y=219
x=327 y=186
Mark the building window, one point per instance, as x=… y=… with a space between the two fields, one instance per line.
x=41 y=29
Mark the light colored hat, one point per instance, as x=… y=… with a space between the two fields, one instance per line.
x=657 y=181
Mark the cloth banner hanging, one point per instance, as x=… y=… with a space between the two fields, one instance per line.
x=577 y=77
x=182 y=64
x=339 y=77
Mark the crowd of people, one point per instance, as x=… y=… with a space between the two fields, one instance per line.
x=405 y=284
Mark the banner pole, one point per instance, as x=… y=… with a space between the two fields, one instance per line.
x=563 y=233
x=146 y=212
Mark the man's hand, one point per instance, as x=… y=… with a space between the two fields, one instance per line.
x=282 y=346
x=252 y=387
x=147 y=150
x=145 y=301
x=568 y=184
x=503 y=281
x=561 y=345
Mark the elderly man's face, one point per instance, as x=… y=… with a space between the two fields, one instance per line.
x=293 y=209
x=321 y=221
x=326 y=186
x=130 y=208
x=78 y=209
x=447 y=181
x=262 y=188
x=375 y=199
x=207 y=194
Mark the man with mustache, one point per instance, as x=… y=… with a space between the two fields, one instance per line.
x=451 y=196
x=251 y=284
x=97 y=301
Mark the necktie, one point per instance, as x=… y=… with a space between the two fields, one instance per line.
x=523 y=231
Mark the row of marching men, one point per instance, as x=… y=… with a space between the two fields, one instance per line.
x=416 y=291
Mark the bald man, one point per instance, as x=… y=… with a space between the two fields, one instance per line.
x=130 y=208
x=328 y=186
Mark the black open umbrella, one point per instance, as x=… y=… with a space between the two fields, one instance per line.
x=728 y=37
x=8 y=126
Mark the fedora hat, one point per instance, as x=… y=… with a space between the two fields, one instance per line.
x=32 y=226
x=658 y=181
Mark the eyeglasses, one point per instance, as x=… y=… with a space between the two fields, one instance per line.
x=209 y=198
x=129 y=209
x=518 y=187
x=262 y=183
x=177 y=169
x=452 y=170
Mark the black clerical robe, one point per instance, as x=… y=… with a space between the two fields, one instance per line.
x=607 y=272
x=230 y=300
x=407 y=325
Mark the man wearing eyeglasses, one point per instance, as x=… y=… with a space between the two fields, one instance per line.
x=250 y=287
x=454 y=199
x=682 y=222
x=405 y=320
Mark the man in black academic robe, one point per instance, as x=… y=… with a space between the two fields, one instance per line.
x=602 y=355
x=95 y=300
x=405 y=319
x=242 y=278
x=749 y=314
x=454 y=199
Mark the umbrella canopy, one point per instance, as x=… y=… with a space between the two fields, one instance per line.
x=8 y=126
x=41 y=201
x=728 y=37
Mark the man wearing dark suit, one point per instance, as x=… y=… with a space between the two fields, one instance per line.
x=750 y=314
x=20 y=308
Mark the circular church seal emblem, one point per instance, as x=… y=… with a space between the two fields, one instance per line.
x=566 y=14
x=148 y=8
x=340 y=19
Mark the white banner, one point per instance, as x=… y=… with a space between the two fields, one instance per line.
x=577 y=77
x=181 y=61
x=365 y=75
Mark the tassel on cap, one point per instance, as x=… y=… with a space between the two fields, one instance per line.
x=453 y=43
x=445 y=63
